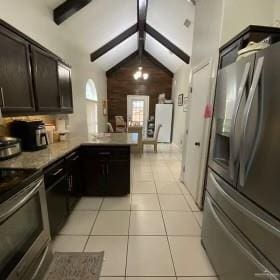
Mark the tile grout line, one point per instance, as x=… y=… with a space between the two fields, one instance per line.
x=173 y=264
x=98 y=210
x=126 y=259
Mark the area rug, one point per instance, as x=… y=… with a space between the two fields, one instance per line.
x=75 y=266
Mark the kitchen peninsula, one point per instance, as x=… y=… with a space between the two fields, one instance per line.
x=85 y=166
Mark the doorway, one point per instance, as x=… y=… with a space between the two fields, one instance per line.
x=138 y=110
x=196 y=144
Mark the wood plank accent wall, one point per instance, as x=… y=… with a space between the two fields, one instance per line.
x=121 y=83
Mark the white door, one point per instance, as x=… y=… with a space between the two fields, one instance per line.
x=200 y=96
x=138 y=110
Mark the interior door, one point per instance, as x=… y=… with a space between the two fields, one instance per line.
x=138 y=110
x=260 y=150
x=199 y=99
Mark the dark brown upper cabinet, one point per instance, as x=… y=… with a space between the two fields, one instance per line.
x=65 y=87
x=46 y=82
x=16 y=93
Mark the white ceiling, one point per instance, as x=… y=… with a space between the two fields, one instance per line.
x=119 y=53
x=102 y=20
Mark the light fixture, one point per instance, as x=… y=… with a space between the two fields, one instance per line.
x=140 y=75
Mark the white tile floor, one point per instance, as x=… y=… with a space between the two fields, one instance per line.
x=152 y=234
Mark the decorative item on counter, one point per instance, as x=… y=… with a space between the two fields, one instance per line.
x=50 y=132
x=161 y=98
x=180 y=99
x=62 y=136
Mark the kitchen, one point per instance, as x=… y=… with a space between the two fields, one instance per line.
x=132 y=214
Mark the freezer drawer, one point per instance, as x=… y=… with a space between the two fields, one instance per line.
x=260 y=228
x=231 y=254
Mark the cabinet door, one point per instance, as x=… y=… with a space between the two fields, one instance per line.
x=118 y=177
x=57 y=205
x=65 y=87
x=94 y=174
x=45 y=73
x=16 y=94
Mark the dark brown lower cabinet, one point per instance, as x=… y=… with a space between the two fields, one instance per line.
x=106 y=171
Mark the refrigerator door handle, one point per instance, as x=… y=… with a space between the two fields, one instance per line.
x=234 y=147
x=275 y=231
x=244 y=126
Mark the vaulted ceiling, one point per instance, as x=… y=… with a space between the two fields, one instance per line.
x=100 y=21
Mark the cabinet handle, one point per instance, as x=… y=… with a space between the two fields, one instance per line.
x=2 y=97
x=103 y=169
x=57 y=172
x=62 y=100
x=75 y=158
x=107 y=165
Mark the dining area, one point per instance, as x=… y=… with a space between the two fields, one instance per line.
x=139 y=128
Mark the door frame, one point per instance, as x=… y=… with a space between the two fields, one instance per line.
x=206 y=130
x=146 y=99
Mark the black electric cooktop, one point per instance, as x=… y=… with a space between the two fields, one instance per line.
x=13 y=180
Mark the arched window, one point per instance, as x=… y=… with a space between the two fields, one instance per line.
x=91 y=93
x=92 y=107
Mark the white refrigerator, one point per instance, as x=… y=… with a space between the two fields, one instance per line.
x=163 y=116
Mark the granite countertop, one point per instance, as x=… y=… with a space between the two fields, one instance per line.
x=42 y=158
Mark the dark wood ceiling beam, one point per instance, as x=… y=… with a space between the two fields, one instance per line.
x=114 y=42
x=166 y=43
x=67 y=9
x=142 y=6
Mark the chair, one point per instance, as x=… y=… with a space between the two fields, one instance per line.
x=152 y=141
x=109 y=127
x=120 y=124
x=139 y=147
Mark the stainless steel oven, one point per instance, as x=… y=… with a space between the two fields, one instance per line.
x=24 y=231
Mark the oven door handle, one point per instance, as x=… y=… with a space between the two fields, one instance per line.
x=20 y=202
x=41 y=263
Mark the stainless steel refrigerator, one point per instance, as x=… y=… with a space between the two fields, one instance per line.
x=241 y=228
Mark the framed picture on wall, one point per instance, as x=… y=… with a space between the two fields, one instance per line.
x=180 y=99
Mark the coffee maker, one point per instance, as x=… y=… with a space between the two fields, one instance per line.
x=33 y=134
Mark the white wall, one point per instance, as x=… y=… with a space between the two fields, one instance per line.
x=238 y=14
x=34 y=19
x=180 y=86
x=276 y=14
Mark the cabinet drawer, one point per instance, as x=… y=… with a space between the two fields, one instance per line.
x=231 y=254
x=54 y=173
x=105 y=152
x=261 y=229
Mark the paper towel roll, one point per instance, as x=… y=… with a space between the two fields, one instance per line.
x=60 y=125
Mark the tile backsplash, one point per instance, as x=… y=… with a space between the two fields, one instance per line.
x=47 y=119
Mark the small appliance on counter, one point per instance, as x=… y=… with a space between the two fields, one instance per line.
x=33 y=134
x=9 y=147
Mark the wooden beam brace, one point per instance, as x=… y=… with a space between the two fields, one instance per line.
x=142 y=6
x=165 y=42
x=67 y=9
x=113 y=43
